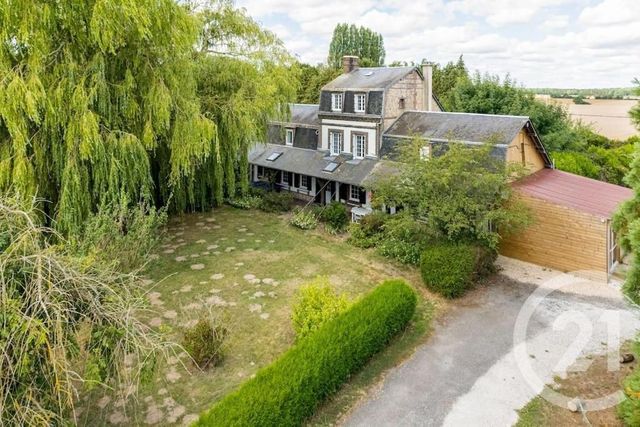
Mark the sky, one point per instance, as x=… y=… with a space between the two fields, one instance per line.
x=540 y=43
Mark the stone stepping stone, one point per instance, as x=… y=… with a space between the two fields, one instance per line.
x=153 y=257
x=197 y=267
x=192 y=306
x=268 y=281
x=204 y=282
x=103 y=402
x=248 y=277
x=162 y=391
x=170 y=314
x=189 y=419
x=201 y=241
x=272 y=241
x=147 y=282
x=216 y=253
x=181 y=258
x=217 y=276
x=242 y=240
x=255 y=308
x=212 y=247
x=205 y=253
x=199 y=224
x=272 y=294
x=186 y=288
x=155 y=322
x=214 y=291
x=194 y=255
x=264 y=316
x=216 y=300
x=255 y=281
x=242 y=230
x=230 y=248
x=251 y=234
x=222 y=238
x=118 y=417
x=239 y=264
x=179 y=233
x=180 y=240
x=210 y=220
x=173 y=375
x=258 y=241
x=258 y=294
x=168 y=251
x=216 y=227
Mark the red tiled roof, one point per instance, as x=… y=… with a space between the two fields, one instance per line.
x=573 y=191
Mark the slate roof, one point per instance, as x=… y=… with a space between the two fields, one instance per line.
x=303 y=114
x=575 y=192
x=368 y=78
x=464 y=127
x=313 y=162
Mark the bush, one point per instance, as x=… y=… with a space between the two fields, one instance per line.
x=304 y=219
x=629 y=408
x=276 y=202
x=245 y=202
x=204 y=342
x=335 y=216
x=367 y=233
x=289 y=390
x=404 y=239
x=316 y=303
x=400 y=250
x=451 y=268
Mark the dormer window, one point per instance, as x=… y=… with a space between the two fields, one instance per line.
x=360 y=102
x=289 y=137
x=336 y=102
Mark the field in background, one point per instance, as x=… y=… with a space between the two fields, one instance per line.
x=609 y=117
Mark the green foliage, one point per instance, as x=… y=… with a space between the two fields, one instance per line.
x=288 y=391
x=316 y=303
x=451 y=268
x=359 y=41
x=335 y=216
x=245 y=202
x=403 y=238
x=445 y=80
x=66 y=323
x=635 y=111
x=119 y=235
x=629 y=408
x=599 y=93
x=368 y=232
x=204 y=342
x=477 y=186
x=272 y=201
x=100 y=99
x=577 y=163
x=312 y=79
x=579 y=100
x=304 y=219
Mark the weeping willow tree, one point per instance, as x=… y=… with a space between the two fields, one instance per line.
x=99 y=98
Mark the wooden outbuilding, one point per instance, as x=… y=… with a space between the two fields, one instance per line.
x=571 y=228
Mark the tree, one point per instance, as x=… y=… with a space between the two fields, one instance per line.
x=476 y=184
x=635 y=111
x=312 y=79
x=359 y=41
x=445 y=80
x=67 y=323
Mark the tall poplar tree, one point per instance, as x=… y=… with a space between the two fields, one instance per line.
x=360 y=41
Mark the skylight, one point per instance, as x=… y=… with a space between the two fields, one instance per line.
x=273 y=156
x=368 y=73
x=331 y=167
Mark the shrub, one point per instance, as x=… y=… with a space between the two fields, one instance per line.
x=276 y=202
x=335 y=216
x=316 y=303
x=629 y=408
x=204 y=342
x=404 y=239
x=400 y=250
x=368 y=232
x=304 y=219
x=289 y=390
x=245 y=202
x=451 y=268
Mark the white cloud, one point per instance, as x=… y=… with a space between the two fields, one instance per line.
x=556 y=42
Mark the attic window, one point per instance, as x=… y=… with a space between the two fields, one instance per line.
x=331 y=167
x=401 y=103
x=289 y=137
x=273 y=156
x=336 y=101
x=360 y=102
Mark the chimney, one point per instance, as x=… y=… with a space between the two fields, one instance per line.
x=349 y=63
x=427 y=73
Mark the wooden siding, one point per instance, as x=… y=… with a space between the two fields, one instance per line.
x=560 y=238
x=533 y=160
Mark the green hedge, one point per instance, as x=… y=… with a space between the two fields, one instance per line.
x=289 y=390
x=451 y=268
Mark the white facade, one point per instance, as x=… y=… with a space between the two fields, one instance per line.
x=348 y=128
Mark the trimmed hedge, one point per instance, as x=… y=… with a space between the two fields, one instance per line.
x=289 y=390
x=451 y=268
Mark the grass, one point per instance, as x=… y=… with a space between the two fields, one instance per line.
x=265 y=246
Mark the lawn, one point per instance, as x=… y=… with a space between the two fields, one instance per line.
x=246 y=267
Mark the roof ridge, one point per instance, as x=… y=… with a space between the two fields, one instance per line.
x=468 y=114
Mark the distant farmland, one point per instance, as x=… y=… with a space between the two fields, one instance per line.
x=609 y=117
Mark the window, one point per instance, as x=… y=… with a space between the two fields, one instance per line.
x=354 y=193
x=360 y=102
x=336 y=102
x=401 y=103
x=335 y=142
x=425 y=152
x=331 y=167
x=285 y=178
x=273 y=157
x=289 y=138
x=359 y=145
x=304 y=181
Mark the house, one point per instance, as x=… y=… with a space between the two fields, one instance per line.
x=330 y=151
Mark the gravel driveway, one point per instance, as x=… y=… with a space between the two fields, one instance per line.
x=468 y=372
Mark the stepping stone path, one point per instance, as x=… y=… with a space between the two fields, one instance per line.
x=210 y=220
x=204 y=282
x=264 y=316
x=181 y=258
x=272 y=241
x=168 y=251
x=258 y=294
x=170 y=314
x=189 y=419
x=217 y=276
x=103 y=402
x=212 y=247
x=147 y=282
x=155 y=322
x=118 y=418
x=186 y=288
x=154 y=298
x=216 y=227
x=268 y=281
x=214 y=291
x=199 y=224
x=153 y=257
x=255 y=308
x=205 y=253
x=251 y=234
x=216 y=300
x=230 y=248
x=201 y=241
x=248 y=277
x=273 y=295
x=239 y=264
x=242 y=240
x=194 y=255
x=242 y=230
x=192 y=306
x=173 y=375
x=197 y=267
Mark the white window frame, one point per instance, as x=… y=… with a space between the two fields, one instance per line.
x=354 y=143
x=304 y=182
x=336 y=101
x=425 y=152
x=332 y=142
x=351 y=198
x=289 y=176
x=289 y=140
x=357 y=99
